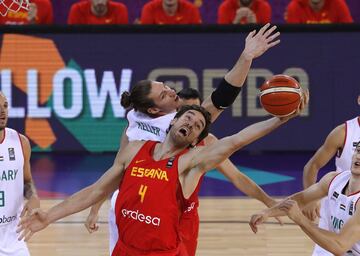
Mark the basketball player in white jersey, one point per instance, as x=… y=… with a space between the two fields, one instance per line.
x=340 y=143
x=342 y=189
x=15 y=184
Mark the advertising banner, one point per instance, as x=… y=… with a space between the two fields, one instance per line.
x=64 y=89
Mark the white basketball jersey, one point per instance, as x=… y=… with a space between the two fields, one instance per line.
x=143 y=127
x=11 y=193
x=341 y=207
x=343 y=159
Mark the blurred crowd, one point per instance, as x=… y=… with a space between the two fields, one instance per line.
x=185 y=12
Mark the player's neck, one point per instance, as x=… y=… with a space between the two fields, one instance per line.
x=354 y=184
x=166 y=149
x=2 y=134
x=317 y=7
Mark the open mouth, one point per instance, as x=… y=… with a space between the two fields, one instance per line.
x=184 y=131
x=357 y=164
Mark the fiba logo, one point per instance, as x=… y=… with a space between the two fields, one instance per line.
x=135 y=215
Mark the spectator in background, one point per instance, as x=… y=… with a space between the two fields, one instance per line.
x=98 y=12
x=40 y=12
x=318 y=11
x=170 y=12
x=244 y=12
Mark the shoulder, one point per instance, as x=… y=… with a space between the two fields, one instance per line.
x=133 y=146
x=338 y=3
x=297 y=4
x=153 y=4
x=262 y=4
x=25 y=144
x=338 y=133
x=210 y=139
x=187 y=4
x=227 y=4
x=82 y=5
x=24 y=140
x=117 y=5
x=326 y=180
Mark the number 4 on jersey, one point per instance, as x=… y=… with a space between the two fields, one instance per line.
x=2 y=198
x=142 y=192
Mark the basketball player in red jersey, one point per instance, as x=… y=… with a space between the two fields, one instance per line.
x=189 y=222
x=157 y=100
x=155 y=179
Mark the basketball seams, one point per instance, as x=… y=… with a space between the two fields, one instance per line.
x=280 y=89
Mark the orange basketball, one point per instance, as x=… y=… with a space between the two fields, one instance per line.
x=280 y=95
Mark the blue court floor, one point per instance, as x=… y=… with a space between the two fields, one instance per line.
x=279 y=174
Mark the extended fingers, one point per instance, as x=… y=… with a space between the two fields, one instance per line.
x=272 y=37
x=263 y=29
x=23 y=212
x=270 y=31
x=251 y=34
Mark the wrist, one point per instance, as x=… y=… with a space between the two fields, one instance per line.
x=246 y=56
x=270 y=202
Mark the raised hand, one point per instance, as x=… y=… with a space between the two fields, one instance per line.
x=29 y=225
x=258 y=43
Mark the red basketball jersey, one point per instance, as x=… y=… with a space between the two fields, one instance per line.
x=149 y=206
x=189 y=222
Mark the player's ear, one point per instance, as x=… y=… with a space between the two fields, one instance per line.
x=173 y=121
x=359 y=99
x=153 y=111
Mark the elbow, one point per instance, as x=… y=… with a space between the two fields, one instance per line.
x=338 y=248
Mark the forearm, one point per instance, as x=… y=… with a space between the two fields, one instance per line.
x=310 y=175
x=254 y=132
x=29 y=190
x=75 y=203
x=96 y=207
x=222 y=149
x=237 y=75
x=244 y=183
x=326 y=239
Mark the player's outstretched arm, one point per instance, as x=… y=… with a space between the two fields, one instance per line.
x=208 y=157
x=240 y=180
x=78 y=201
x=30 y=193
x=302 y=198
x=91 y=220
x=244 y=183
x=333 y=142
x=211 y=156
x=337 y=244
x=256 y=43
